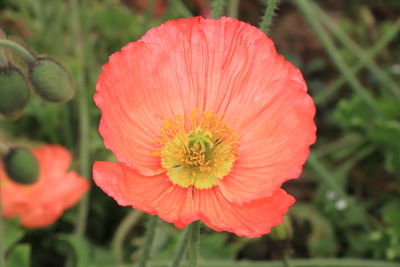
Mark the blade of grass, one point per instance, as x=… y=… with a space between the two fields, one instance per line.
x=147 y=16
x=358 y=51
x=305 y=7
x=183 y=10
x=326 y=177
x=266 y=21
x=324 y=95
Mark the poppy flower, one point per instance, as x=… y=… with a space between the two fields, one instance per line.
x=208 y=122
x=42 y=203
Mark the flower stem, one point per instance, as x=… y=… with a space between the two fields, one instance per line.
x=122 y=231
x=148 y=241
x=218 y=6
x=19 y=48
x=182 y=246
x=268 y=16
x=80 y=226
x=194 y=246
x=233 y=8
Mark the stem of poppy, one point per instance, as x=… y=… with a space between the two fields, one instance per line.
x=19 y=48
x=80 y=226
x=218 y=6
x=268 y=15
x=233 y=8
x=182 y=246
x=122 y=231
x=148 y=241
x=194 y=246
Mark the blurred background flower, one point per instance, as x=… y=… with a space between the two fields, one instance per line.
x=42 y=202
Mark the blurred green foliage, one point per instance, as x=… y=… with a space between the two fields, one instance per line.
x=348 y=197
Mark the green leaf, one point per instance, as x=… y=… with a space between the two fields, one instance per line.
x=12 y=232
x=19 y=256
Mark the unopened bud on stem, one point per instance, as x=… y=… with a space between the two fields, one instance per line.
x=14 y=91
x=51 y=81
x=21 y=166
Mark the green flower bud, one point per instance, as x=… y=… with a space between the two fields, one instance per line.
x=21 y=166
x=51 y=81
x=14 y=91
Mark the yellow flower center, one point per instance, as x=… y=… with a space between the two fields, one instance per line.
x=197 y=149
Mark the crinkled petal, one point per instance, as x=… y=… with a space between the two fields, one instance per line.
x=276 y=131
x=181 y=65
x=181 y=206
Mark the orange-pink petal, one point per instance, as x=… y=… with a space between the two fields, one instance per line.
x=181 y=206
x=213 y=65
x=276 y=131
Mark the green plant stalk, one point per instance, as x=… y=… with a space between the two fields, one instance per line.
x=329 y=180
x=388 y=36
x=183 y=10
x=3 y=59
x=148 y=241
x=182 y=246
x=268 y=15
x=19 y=49
x=194 y=246
x=305 y=7
x=217 y=8
x=121 y=233
x=233 y=8
x=83 y=208
x=359 y=52
x=286 y=262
